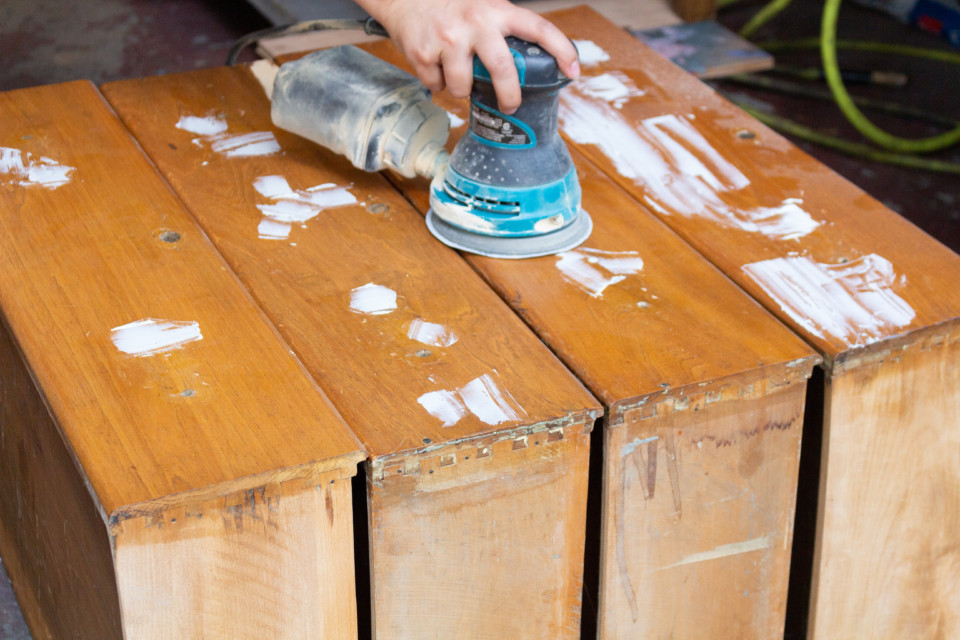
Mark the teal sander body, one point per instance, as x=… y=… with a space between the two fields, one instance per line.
x=510 y=189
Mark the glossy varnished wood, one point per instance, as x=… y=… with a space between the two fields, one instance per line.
x=87 y=257
x=717 y=188
x=305 y=283
x=651 y=333
x=705 y=393
x=379 y=377
x=874 y=294
x=104 y=437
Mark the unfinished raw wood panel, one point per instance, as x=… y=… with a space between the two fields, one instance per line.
x=709 y=484
x=466 y=504
x=704 y=393
x=289 y=543
x=149 y=409
x=890 y=491
x=477 y=434
x=874 y=294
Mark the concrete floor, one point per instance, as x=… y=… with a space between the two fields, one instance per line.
x=48 y=41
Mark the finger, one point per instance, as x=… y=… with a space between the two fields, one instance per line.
x=431 y=76
x=534 y=28
x=458 y=72
x=496 y=57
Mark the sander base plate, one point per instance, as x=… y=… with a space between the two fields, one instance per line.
x=514 y=248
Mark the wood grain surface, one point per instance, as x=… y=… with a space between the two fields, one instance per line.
x=273 y=562
x=671 y=322
x=149 y=408
x=887 y=557
x=841 y=269
x=86 y=258
x=482 y=540
x=352 y=287
x=702 y=385
x=874 y=294
x=699 y=508
x=310 y=282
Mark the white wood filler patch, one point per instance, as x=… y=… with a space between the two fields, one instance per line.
x=680 y=171
x=256 y=143
x=593 y=270
x=444 y=405
x=853 y=301
x=482 y=397
x=202 y=125
x=289 y=207
x=455 y=120
x=373 y=299
x=150 y=336
x=212 y=130
x=614 y=88
x=590 y=53
x=28 y=171
x=431 y=333
x=787 y=221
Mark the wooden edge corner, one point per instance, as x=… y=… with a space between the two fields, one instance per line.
x=344 y=466
x=385 y=468
x=694 y=397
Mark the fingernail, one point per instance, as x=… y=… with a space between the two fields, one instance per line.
x=575 y=69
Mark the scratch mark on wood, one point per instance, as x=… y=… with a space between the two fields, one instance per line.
x=628 y=448
x=746 y=434
x=646 y=465
x=723 y=551
x=328 y=503
x=670 y=441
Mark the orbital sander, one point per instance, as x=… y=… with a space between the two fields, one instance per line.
x=508 y=190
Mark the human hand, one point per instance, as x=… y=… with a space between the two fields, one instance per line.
x=440 y=38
